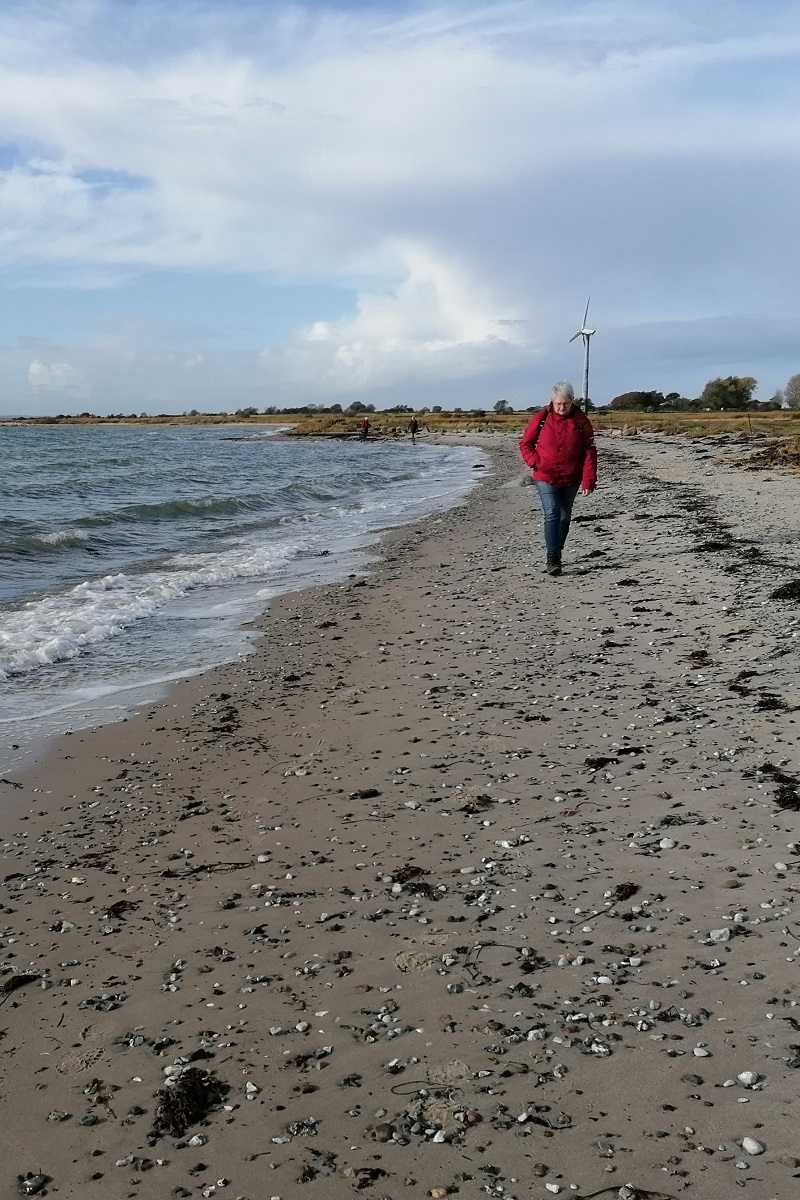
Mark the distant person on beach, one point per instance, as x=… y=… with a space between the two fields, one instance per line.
x=414 y=427
x=364 y=429
x=558 y=446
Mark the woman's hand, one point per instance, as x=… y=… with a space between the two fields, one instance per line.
x=586 y=491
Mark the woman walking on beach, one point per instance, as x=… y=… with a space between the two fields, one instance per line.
x=558 y=446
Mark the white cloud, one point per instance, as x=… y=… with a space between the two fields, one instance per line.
x=436 y=324
x=54 y=376
x=475 y=167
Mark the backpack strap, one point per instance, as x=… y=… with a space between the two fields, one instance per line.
x=539 y=429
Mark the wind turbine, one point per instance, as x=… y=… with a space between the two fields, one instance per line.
x=585 y=333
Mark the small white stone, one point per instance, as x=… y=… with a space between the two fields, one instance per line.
x=666 y=844
x=701 y=1052
x=752 y=1146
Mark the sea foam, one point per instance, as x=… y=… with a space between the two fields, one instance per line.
x=59 y=627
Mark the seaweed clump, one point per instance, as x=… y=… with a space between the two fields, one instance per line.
x=787 y=793
x=186 y=1101
x=787 y=591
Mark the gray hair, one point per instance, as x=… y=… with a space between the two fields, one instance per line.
x=562 y=388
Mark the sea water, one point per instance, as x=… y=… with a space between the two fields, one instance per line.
x=132 y=556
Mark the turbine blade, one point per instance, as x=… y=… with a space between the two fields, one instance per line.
x=586 y=314
x=575 y=335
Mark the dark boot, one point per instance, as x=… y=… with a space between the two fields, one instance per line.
x=553 y=564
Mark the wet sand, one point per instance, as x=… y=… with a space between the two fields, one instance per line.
x=467 y=882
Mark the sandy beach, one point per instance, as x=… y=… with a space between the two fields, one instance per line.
x=467 y=882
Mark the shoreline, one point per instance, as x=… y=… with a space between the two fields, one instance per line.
x=121 y=703
x=260 y=623
x=380 y=870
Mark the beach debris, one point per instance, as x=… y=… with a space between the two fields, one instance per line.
x=479 y=803
x=415 y=960
x=203 y=869
x=32 y=1183
x=119 y=908
x=15 y=982
x=409 y=878
x=185 y=1099
x=137 y=1161
x=307 y=1127
x=787 y=795
x=787 y=591
x=322 y=1163
x=364 y=1177
x=105 y=1001
x=621 y=892
x=749 y=1079
x=752 y=1146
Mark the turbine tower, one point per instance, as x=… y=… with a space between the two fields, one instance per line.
x=585 y=333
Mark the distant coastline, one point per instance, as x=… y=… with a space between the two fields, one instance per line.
x=163 y=419
x=387 y=424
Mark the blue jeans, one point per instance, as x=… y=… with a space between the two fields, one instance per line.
x=557 y=505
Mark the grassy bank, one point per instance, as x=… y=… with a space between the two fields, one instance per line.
x=702 y=424
x=776 y=424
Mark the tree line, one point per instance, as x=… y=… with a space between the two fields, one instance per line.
x=731 y=393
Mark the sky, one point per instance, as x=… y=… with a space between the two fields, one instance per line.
x=219 y=204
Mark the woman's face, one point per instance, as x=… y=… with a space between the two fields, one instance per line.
x=562 y=404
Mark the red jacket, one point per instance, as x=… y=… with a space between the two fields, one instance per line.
x=564 y=453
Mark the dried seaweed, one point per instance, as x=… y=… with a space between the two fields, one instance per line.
x=189 y=1100
x=787 y=591
x=14 y=983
